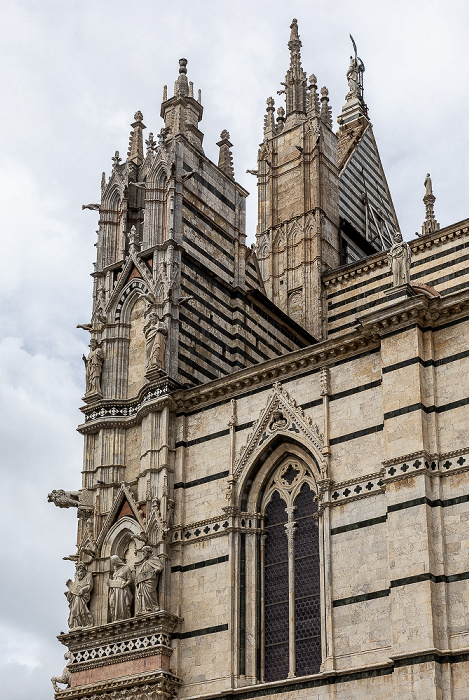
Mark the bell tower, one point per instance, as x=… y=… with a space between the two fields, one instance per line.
x=298 y=196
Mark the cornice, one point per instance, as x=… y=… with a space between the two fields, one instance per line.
x=367 y=265
x=155 y=678
x=420 y=309
x=151 y=623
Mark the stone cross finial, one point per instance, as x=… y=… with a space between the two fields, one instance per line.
x=225 y=158
x=430 y=224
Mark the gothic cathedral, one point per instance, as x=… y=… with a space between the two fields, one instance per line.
x=276 y=454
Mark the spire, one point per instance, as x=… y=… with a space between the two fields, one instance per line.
x=225 y=158
x=355 y=106
x=295 y=80
x=135 y=152
x=430 y=224
x=181 y=86
x=182 y=112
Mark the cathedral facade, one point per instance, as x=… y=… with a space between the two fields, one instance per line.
x=276 y=453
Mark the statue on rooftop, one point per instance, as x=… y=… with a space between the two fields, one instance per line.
x=399 y=261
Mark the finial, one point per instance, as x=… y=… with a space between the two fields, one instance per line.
x=280 y=119
x=430 y=224
x=162 y=136
x=269 y=122
x=165 y=93
x=150 y=142
x=295 y=80
x=181 y=86
x=117 y=159
x=225 y=158
x=313 y=99
x=135 y=152
x=326 y=111
x=103 y=181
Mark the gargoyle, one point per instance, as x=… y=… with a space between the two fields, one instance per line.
x=64 y=499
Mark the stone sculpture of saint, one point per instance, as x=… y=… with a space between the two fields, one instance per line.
x=148 y=569
x=399 y=261
x=428 y=185
x=78 y=596
x=120 y=595
x=94 y=367
x=155 y=335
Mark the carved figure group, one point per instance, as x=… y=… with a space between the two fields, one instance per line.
x=78 y=596
x=399 y=261
x=94 y=367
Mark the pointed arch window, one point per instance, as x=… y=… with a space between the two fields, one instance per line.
x=290 y=574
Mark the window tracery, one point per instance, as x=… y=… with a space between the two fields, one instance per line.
x=291 y=615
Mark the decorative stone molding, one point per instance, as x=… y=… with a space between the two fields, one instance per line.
x=280 y=415
x=109 y=414
x=159 y=624
x=118 y=651
x=380 y=259
x=159 y=685
x=356 y=489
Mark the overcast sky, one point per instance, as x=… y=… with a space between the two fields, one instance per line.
x=73 y=74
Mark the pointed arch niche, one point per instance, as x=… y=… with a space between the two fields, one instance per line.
x=282 y=617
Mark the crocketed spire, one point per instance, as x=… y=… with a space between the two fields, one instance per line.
x=295 y=80
x=430 y=224
x=225 y=158
x=135 y=152
x=182 y=113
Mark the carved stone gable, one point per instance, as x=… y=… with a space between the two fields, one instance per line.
x=124 y=504
x=281 y=415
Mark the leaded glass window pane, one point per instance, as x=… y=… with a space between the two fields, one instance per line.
x=307 y=585
x=276 y=590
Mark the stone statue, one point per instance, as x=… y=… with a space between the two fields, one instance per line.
x=278 y=420
x=428 y=185
x=148 y=570
x=352 y=78
x=120 y=596
x=78 y=596
x=155 y=335
x=399 y=261
x=94 y=367
x=65 y=678
x=63 y=499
